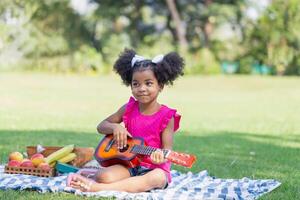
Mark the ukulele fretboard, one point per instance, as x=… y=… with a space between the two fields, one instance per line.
x=146 y=150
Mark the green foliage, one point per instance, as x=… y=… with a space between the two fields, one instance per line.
x=202 y=62
x=160 y=45
x=37 y=31
x=275 y=40
x=114 y=45
x=87 y=59
x=246 y=65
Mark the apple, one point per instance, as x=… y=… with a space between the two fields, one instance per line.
x=25 y=159
x=15 y=156
x=37 y=159
x=44 y=166
x=14 y=163
x=37 y=155
x=27 y=163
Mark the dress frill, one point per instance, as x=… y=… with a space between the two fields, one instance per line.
x=171 y=113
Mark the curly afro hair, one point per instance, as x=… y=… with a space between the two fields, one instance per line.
x=165 y=71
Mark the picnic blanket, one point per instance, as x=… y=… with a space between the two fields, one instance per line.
x=184 y=186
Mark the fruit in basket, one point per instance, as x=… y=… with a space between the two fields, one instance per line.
x=14 y=163
x=26 y=163
x=59 y=153
x=15 y=156
x=37 y=159
x=44 y=166
x=52 y=164
x=68 y=158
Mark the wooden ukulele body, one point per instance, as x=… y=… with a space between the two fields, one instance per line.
x=108 y=154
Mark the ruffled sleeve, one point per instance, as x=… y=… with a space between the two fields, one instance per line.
x=128 y=110
x=170 y=114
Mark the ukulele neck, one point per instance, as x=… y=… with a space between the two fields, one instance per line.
x=147 y=150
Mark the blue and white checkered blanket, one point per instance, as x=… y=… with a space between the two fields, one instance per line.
x=183 y=186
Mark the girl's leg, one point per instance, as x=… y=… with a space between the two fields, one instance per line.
x=153 y=179
x=104 y=175
x=111 y=174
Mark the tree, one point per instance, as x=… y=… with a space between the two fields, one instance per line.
x=180 y=27
x=275 y=38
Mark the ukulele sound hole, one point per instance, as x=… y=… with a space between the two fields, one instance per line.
x=124 y=149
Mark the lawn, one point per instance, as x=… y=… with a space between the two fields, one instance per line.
x=238 y=126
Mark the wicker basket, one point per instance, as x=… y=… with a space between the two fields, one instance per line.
x=29 y=171
x=84 y=154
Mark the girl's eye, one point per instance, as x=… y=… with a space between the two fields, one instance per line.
x=149 y=83
x=134 y=84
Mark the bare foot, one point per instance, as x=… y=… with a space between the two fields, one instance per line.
x=81 y=183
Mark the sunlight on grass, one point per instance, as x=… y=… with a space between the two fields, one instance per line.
x=279 y=142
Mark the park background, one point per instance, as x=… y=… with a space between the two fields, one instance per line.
x=239 y=97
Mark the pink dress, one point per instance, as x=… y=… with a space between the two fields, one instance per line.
x=150 y=128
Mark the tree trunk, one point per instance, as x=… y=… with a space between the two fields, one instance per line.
x=136 y=16
x=180 y=28
x=207 y=30
x=172 y=30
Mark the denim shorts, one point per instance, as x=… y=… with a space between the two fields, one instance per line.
x=141 y=170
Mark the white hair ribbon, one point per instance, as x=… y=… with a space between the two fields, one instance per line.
x=156 y=59
x=136 y=58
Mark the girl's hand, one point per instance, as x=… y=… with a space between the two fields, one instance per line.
x=120 y=136
x=157 y=157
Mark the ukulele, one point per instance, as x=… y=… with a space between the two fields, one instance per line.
x=107 y=153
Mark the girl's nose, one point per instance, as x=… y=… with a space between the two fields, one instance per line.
x=142 y=88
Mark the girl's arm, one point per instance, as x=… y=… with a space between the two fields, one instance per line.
x=167 y=136
x=157 y=157
x=107 y=125
x=111 y=125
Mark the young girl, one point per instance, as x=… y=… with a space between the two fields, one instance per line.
x=143 y=117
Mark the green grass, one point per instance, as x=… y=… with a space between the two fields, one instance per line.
x=237 y=126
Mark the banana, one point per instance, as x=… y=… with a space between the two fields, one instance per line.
x=68 y=158
x=52 y=164
x=59 y=153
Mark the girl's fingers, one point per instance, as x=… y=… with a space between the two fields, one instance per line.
x=118 y=140
x=160 y=156
x=124 y=140
x=152 y=157
x=157 y=157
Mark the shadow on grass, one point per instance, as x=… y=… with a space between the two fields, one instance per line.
x=223 y=154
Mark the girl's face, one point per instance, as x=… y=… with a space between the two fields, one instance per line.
x=144 y=86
